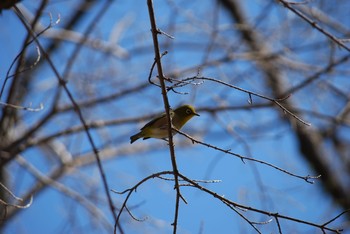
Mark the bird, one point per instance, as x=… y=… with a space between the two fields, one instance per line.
x=157 y=127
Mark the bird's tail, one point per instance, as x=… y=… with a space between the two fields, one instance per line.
x=135 y=137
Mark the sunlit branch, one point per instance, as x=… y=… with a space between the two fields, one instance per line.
x=16 y=198
x=26 y=108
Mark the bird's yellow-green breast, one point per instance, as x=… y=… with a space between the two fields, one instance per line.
x=157 y=128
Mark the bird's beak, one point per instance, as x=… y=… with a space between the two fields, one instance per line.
x=196 y=114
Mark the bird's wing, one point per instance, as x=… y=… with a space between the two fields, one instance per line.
x=158 y=122
x=153 y=121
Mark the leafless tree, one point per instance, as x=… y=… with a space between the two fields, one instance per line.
x=269 y=78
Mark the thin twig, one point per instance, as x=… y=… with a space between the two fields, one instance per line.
x=251 y=93
x=275 y=215
x=129 y=191
x=278 y=225
x=336 y=217
x=41 y=107
x=8 y=76
x=16 y=198
x=133 y=217
x=307 y=178
x=152 y=68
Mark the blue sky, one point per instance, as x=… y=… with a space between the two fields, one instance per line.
x=255 y=132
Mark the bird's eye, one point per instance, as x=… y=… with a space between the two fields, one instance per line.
x=188 y=111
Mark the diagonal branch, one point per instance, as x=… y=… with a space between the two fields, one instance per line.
x=314 y=24
x=309 y=139
x=308 y=178
x=76 y=106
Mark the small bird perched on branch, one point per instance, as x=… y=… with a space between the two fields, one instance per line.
x=158 y=128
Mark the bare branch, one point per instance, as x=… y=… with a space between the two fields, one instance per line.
x=16 y=198
x=41 y=107
x=309 y=179
x=167 y=108
x=250 y=93
x=80 y=115
x=314 y=24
